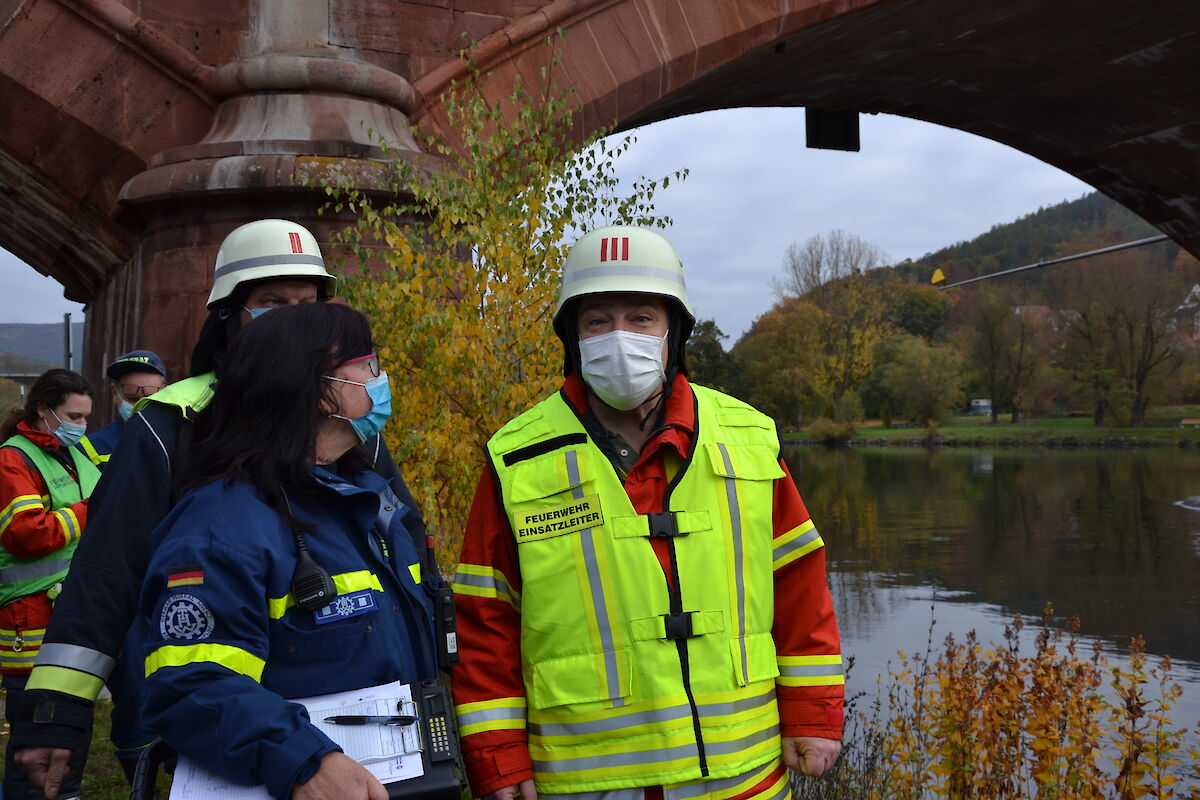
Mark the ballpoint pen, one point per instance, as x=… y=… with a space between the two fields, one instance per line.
x=373 y=720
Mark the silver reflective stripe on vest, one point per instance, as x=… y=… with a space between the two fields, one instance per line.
x=71 y=656
x=17 y=507
x=668 y=714
x=597 y=587
x=735 y=528
x=491 y=715
x=804 y=539
x=623 y=271
x=495 y=583
x=640 y=758
x=294 y=259
x=810 y=670
x=38 y=569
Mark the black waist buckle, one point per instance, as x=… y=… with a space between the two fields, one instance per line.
x=678 y=626
x=663 y=525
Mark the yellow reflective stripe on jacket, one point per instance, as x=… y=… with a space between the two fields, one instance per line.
x=476 y=580
x=796 y=543
x=67 y=681
x=811 y=671
x=345 y=582
x=504 y=714
x=723 y=788
x=20 y=503
x=92 y=453
x=18 y=650
x=70 y=525
x=231 y=658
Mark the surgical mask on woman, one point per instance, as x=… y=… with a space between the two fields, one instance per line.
x=68 y=433
x=623 y=368
x=371 y=423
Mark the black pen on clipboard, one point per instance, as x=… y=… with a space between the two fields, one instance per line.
x=372 y=719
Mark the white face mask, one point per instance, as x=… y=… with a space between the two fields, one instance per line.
x=623 y=368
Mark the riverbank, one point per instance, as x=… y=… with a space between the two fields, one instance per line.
x=1053 y=433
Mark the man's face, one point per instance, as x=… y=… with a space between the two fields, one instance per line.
x=132 y=386
x=637 y=313
x=279 y=293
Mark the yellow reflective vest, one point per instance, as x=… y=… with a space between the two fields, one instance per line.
x=631 y=681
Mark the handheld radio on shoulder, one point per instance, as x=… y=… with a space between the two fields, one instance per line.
x=312 y=585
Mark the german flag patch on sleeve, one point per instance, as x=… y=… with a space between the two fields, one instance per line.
x=189 y=575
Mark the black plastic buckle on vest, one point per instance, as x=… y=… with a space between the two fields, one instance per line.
x=678 y=626
x=663 y=525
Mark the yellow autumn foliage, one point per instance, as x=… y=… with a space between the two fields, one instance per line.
x=461 y=307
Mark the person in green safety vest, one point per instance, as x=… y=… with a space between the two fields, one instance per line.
x=643 y=610
x=45 y=483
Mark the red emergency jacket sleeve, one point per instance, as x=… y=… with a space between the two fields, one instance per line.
x=489 y=692
x=811 y=685
x=28 y=527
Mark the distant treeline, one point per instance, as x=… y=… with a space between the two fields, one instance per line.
x=852 y=338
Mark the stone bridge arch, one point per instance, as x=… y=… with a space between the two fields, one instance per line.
x=135 y=135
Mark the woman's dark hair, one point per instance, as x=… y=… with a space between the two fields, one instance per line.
x=261 y=426
x=50 y=390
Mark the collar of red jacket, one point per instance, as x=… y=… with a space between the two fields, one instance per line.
x=40 y=438
x=681 y=405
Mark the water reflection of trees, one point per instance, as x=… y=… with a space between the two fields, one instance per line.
x=1097 y=533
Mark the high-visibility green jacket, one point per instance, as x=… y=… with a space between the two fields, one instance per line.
x=632 y=680
x=21 y=577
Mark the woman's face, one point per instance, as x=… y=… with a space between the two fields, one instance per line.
x=351 y=398
x=74 y=409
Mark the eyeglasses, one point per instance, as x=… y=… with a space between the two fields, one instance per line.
x=133 y=390
x=372 y=363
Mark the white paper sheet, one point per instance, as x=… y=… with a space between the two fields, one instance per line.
x=400 y=745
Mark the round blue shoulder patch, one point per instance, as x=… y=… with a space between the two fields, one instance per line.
x=184 y=616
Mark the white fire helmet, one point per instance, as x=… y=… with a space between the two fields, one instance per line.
x=622 y=258
x=269 y=249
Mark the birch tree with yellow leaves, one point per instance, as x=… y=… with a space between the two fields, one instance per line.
x=461 y=306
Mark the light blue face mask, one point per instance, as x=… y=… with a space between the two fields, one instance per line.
x=371 y=423
x=255 y=313
x=68 y=432
x=125 y=410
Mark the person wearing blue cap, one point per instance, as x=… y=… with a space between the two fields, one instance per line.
x=137 y=374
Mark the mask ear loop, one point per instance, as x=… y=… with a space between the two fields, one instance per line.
x=312 y=585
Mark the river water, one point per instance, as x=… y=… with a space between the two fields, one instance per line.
x=970 y=538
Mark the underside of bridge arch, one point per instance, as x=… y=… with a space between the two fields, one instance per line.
x=1105 y=90
x=135 y=135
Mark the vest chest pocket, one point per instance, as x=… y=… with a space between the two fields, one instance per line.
x=750 y=462
x=547 y=496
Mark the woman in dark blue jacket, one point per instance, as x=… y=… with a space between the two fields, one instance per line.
x=285 y=571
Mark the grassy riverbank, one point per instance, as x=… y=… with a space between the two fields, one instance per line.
x=1162 y=430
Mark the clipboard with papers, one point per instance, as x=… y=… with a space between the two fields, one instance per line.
x=418 y=760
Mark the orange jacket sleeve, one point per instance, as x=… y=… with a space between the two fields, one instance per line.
x=806 y=636
x=489 y=692
x=28 y=528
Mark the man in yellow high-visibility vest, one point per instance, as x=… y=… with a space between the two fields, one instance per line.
x=642 y=600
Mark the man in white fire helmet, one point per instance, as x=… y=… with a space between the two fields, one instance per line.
x=642 y=602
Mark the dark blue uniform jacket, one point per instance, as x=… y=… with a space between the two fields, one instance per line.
x=225 y=648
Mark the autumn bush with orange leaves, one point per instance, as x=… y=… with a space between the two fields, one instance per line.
x=989 y=723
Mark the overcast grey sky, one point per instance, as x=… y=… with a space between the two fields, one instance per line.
x=754 y=189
